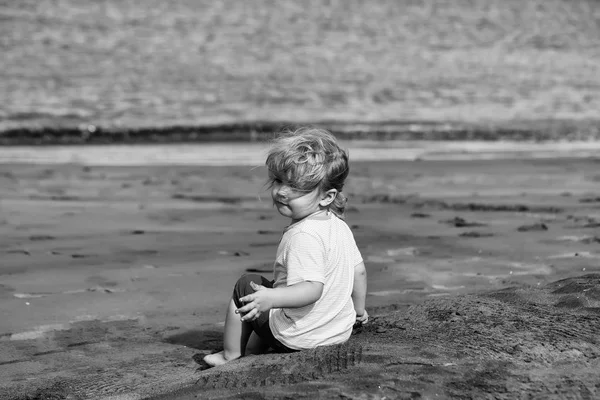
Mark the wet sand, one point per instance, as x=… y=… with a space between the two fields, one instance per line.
x=114 y=281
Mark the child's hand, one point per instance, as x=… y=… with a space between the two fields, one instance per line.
x=363 y=319
x=257 y=303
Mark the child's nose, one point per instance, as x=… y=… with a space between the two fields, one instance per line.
x=283 y=190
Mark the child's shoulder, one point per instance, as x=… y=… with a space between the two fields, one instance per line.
x=323 y=224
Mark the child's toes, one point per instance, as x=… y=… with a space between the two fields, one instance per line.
x=215 y=360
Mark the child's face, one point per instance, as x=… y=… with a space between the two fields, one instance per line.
x=292 y=203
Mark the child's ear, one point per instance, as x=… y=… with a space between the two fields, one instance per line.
x=328 y=197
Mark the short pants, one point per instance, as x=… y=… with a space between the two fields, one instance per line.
x=261 y=324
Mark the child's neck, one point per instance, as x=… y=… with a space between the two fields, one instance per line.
x=295 y=221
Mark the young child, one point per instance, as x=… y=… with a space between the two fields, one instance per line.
x=320 y=281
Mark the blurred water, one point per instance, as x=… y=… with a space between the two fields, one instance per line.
x=131 y=63
x=254 y=154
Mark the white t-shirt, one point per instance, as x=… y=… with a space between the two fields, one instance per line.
x=319 y=248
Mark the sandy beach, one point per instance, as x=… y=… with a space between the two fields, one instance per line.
x=114 y=280
x=132 y=194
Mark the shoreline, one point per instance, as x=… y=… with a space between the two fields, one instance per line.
x=252 y=154
x=256 y=131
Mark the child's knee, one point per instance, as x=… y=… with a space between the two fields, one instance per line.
x=242 y=287
x=244 y=281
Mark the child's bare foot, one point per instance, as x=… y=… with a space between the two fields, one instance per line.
x=214 y=360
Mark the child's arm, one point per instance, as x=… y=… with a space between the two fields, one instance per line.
x=359 y=292
x=299 y=295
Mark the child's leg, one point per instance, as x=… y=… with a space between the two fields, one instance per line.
x=256 y=345
x=236 y=334
x=235 y=338
x=262 y=338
